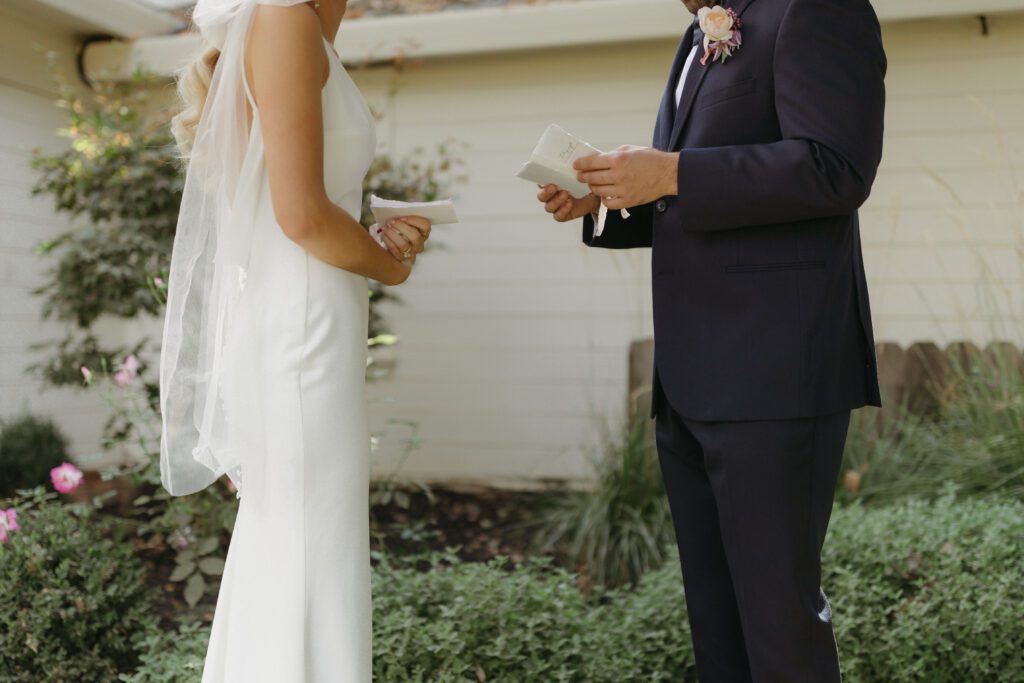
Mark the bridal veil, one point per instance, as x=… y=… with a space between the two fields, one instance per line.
x=208 y=265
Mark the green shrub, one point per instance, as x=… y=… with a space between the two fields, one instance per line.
x=476 y=622
x=29 y=448
x=622 y=528
x=73 y=595
x=928 y=592
x=923 y=592
x=172 y=656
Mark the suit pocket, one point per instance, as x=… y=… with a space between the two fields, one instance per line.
x=726 y=93
x=769 y=267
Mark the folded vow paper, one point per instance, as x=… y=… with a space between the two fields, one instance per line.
x=551 y=164
x=438 y=213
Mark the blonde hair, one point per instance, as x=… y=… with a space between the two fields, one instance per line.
x=193 y=87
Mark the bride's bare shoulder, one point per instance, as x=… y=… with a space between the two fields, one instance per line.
x=287 y=26
x=287 y=38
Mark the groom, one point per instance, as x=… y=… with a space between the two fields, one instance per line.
x=767 y=142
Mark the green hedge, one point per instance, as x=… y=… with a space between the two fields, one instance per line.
x=73 y=601
x=172 y=656
x=29 y=447
x=927 y=592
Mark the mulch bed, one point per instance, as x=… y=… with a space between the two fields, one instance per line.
x=478 y=524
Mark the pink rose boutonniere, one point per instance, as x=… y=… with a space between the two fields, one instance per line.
x=722 y=35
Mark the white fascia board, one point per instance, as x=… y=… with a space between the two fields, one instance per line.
x=122 y=18
x=524 y=27
x=497 y=29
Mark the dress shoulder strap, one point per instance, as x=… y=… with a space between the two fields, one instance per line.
x=245 y=86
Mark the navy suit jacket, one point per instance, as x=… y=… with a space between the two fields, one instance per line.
x=760 y=300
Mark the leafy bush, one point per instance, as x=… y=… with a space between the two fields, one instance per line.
x=121 y=172
x=923 y=592
x=172 y=656
x=29 y=448
x=620 y=529
x=975 y=443
x=928 y=592
x=195 y=527
x=74 y=598
x=476 y=622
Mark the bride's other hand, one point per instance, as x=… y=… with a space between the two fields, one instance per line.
x=563 y=206
x=406 y=237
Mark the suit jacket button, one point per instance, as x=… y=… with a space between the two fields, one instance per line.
x=661 y=206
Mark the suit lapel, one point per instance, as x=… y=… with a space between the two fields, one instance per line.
x=667 y=113
x=694 y=80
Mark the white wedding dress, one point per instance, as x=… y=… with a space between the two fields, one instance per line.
x=294 y=603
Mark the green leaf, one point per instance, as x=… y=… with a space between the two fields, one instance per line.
x=208 y=545
x=211 y=565
x=194 y=589
x=183 y=571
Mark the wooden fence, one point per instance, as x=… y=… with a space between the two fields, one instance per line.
x=918 y=377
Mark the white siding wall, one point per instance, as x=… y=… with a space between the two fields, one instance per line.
x=514 y=338
x=944 y=229
x=29 y=119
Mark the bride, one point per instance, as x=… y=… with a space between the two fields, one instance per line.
x=264 y=351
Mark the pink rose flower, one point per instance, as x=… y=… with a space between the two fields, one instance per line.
x=716 y=23
x=722 y=36
x=8 y=523
x=66 y=478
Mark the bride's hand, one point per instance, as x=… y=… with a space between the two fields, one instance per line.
x=406 y=237
x=563 y=206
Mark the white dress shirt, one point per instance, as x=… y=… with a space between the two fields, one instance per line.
x=686 y=70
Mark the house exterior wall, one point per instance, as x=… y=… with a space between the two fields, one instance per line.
x=514 y=338
x=28 y=120
x=513 y=355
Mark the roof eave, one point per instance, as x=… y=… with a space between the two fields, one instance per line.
x=120 y=18
x=494 y=30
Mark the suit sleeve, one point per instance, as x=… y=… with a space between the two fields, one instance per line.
x=829 y=72
x=622 y=233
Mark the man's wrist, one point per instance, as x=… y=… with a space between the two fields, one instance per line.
x=671 y=174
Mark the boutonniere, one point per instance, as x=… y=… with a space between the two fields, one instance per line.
x=722 y=35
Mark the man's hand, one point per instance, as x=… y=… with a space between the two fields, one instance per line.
x=630 y=176
x=563 y=206
x=406 y=237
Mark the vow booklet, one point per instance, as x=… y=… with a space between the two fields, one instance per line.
x=551 y=164
x=552 y=158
